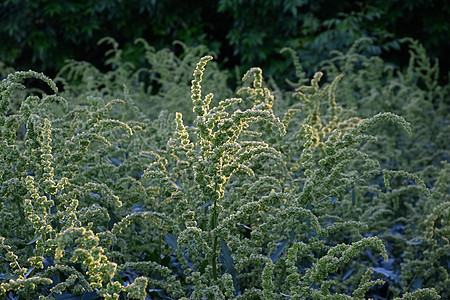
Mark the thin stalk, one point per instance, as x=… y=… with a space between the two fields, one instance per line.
x=160 y=246
x=280 y=278
x=21 y=213
x=214 y=226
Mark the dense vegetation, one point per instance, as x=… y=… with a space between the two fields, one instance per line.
x=144 y=168
x=42 y=34
x=147 y=182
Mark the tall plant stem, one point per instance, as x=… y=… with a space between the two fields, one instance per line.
x=214 y=226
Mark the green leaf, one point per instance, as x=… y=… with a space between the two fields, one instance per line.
x=34 y=240
x=229 y=263
x=276 y=254
x=171 y=240
x=7 y=276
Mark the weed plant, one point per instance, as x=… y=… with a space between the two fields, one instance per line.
x=121 y=187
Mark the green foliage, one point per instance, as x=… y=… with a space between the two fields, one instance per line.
x=42 y=34
x=153 y=87
x=47 y=32
x=327 y=192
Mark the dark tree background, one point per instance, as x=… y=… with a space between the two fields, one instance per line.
x=42 y=34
